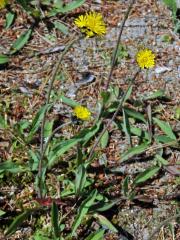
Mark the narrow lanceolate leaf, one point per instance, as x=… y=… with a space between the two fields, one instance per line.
x=105 y=222
x=55 y=219
x=4 y=59
x=102 y=206
x=134 y=151
x=61 y=27
x=80 y=179
x=2 y=213
x=128 y=94
x=125 y=186
x=17 y=222
x=37 y=120
x=134 y=114
x=98 y=235
x=147 y=174
x=157 y=94
x=72 y=5
x=62 y=147
x=21 y=41
x=104 y=140
x=9 y=19
x=68 y=101
x=127 y=127
x=84 y=208
x=165 y=139
x=165 y=127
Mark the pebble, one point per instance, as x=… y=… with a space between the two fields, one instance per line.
x=162 y=69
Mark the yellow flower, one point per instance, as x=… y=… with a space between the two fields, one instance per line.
x=145 y=58
x=91 y=24
x=82 y=113
x=3 y=3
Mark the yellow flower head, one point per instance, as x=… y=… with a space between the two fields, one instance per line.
x=91 y=24
x=145 y=58
x=82 y=113
x=3 y=3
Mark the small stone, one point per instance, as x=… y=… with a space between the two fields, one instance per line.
x=25 y=90
x=162 y=69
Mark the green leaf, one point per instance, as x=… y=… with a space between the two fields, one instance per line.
x=34 y=160
x=80 y=179
x=37 y=120
x=105 y=222
x=157 y=94
x=98 y=235
x=55 y=219
x=127 y=127
x=105 y=97
x=48 y=128
x=102 y=206
x=9 y=19
x=83 y=210
x=25 y=5
x=128 y=94
x=134 y=151
x=21 y=41
x=61 y=8
x=161 y=160
x=17 y=222
x=40 y=236
x=4 y=59
x=3 y=123
x=171 y=4
x=104 y=140
x=135 y=131
x=11 y=167
x=60 y=26
x=134 y=114
x=147 y=174
x=125 y=186
x=177 y=113
x=62 y=147
x=71 y=6
x=69 y=101
x=164 y=139
x=165 y=127
x=2 y=213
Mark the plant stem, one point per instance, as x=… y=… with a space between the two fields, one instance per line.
x=117 y=44
x=113 y=117
x=55 y=71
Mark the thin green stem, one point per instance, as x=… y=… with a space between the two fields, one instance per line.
x=55 y=71
x=113 y=62
x=113 y=117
